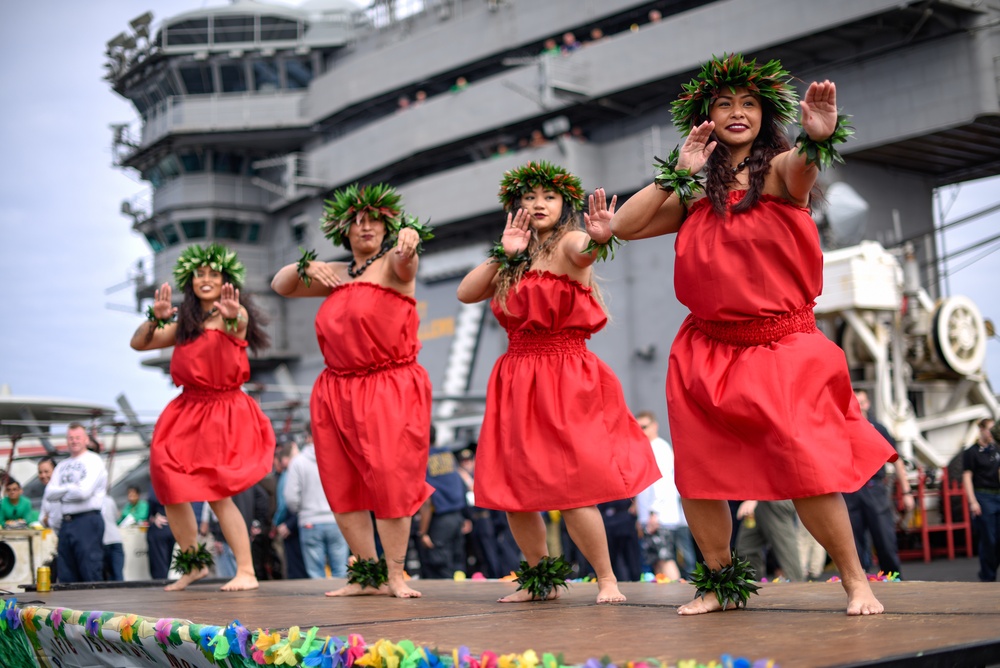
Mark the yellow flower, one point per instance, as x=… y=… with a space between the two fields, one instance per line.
x=125 y=627
x=293 y=634
x=266 y=640
x=529 y=659
x=285 y=656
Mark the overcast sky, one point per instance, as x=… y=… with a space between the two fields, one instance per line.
x=63 y=241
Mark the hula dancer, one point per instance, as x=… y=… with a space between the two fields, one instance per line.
x=212 y=441
x=557 y=434
x=371 y=406
x=760 y=401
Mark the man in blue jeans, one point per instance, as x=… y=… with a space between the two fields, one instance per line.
x=981 y=482
x=320 y=537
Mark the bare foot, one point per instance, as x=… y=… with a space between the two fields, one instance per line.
x=241 y=582
x=861 y=599
x=400 y=589
x=700 y=606
x=186 y=579
x=358 y=590
x=523 y=596
x=608 y=592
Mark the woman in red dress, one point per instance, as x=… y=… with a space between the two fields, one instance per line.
x=212 y=441
x=371 y=406
x=557 y=434
x=760 y=401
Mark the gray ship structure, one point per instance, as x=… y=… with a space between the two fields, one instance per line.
x=250 y=114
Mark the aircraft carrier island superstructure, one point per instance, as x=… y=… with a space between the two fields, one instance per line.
x=250 y=114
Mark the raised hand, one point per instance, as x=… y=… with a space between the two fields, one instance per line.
x=229 y=302
x=819 y=110
x=407 y=242
x=697 y=147
x=162 y=306
x=517 y=233
x=323 y=273
x=598 y=221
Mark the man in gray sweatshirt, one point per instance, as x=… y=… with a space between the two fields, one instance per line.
x=321 y=540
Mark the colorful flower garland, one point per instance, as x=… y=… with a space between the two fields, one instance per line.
x=242 y=648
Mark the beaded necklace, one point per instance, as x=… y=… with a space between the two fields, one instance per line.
x=354 y=273
x=743 y=163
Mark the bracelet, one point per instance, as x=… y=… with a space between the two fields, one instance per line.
x=368 y=573
x=422 y=229
x=543 y=578
x=681 y=181
x=823 y=153
x=604 y=248
x=499 y=255
x=191 y=559
x=303 y=264
x=731 y=584
x=160 y=322
x=233 y=324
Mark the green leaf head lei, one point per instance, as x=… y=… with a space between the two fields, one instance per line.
x=517 y=182
x=380 y=202
x=215 y=256
x=770 y=82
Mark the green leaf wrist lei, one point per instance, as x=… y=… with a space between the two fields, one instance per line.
x=824 y=153
x=160 y=322
x=500 y=257
x=303 y=264
x=679 y=181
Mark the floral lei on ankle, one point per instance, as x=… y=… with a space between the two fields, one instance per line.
x=368 y=572
x=192 y=559
x=543 y=578
x=731 y=584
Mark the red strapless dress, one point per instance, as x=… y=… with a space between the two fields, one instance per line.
x=212 y=441
x=759 y=400
x=371 y=406
x=557 y=433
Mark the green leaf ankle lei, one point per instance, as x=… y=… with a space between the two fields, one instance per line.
x=192 y=559
x=824 y=153
x=681 y=181
x=731 y=584
x=303 y=264
x=506 y=262
x=603 y=250
x=160 y=322
x=368 y=572
x=543 y=578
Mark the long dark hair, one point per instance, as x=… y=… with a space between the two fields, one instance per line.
x=769 y=142
x=191 y=318
x=507 y=280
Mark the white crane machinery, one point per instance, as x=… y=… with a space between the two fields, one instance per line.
x=923 y=361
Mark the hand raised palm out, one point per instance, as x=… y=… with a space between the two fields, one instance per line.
x=517 y=233
x=819 y=110
x=697 y=148
x=229 y=302
x=163 y=308
x=598 y=221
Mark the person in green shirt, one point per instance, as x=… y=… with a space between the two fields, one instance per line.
x=14 y=507
x=136 y=508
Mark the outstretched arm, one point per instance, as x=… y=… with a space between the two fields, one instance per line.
x=819 y=120
x=149 y=336
x=480 y=283
x=653 y=211
x=322 y=279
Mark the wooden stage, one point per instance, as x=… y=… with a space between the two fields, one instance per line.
x=802 y=624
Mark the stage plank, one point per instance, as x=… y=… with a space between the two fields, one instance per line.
x=802 y=624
